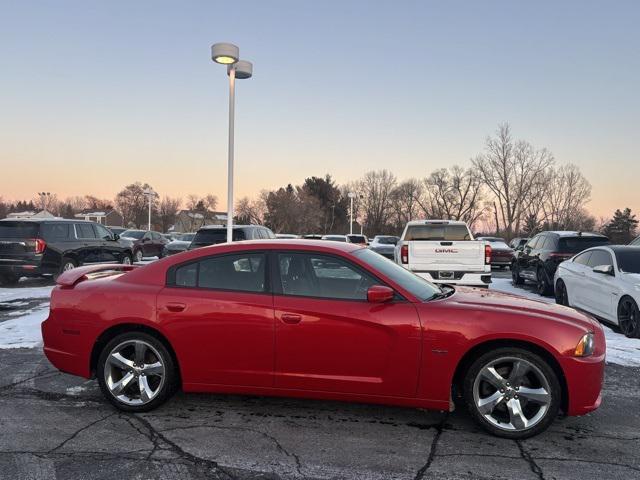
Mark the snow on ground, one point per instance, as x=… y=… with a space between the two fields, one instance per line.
x=24 y=331
x=24 y=293
x=620 y=349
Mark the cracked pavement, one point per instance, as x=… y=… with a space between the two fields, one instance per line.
x=53 y=425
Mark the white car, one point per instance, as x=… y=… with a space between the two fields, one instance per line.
x=604 y=281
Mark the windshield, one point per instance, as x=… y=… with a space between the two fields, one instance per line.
x=18 y=230
x=418 y=286
x=386 y=240
x=357 y=238
x=578 y=244
x=213 y=236
x=436 y=231
x=628 y=261
x=498 y=244
x=186 y=237
x=137 y=234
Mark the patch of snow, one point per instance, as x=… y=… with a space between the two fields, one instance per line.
x=25 y=293
x=77 y=390
x=23 y=332
x=505 y=285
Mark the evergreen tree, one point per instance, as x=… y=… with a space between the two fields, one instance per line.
x=621 y=229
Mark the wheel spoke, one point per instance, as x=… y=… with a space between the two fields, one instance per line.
x=145 y=390
x=121 y=384
x=493 y=377
x=488 y=404
x=538 y=395
x=120 y=362
x=516 y=415
x=518 y=372
x=140 y=348
x=153 y=369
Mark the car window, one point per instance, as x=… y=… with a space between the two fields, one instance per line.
x=243 y=272
x=322 y=276
x=55 y=232
x=583 y=258
x=437 y=231
x=577 y=244
x=85 y=231
x=137 y=234
x=213 y=236
x=187 y=275
x=599 y=257
x=156 y=237
x=147 y=235
x=103 y=233
x=628 y=260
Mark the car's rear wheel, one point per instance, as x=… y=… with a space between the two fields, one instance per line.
x=137 y=255
x=629 y=317
x=512 y=393
x=126 y=259
x=65 y=265
x=562 y=296
x=136 y=372
x=515 y=275
x=542 y=283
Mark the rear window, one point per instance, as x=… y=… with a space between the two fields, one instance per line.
x=628 y=261
x=18 y=230
x=451 y=233
x=214 y=236
x=137 y=234
x=357 y=238
x=387 y=240
x=578 y=244
x=55 y=231
x=498 y=244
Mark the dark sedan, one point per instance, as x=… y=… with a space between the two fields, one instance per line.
x=501 y=253
x=179 y=244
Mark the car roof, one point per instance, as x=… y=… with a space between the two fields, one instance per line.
x=570 y=233
x=46 y=220
x=621 y=248
x=224 y=227
x=436 y=222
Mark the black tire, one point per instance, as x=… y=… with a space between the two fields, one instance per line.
x=65 y=264
x=126 y=259
x=138 y=255
x=555 y=390
x=561 y=294
x=166 y=389
x=542 y=283
x=9 y=280
x=629 y=317
x=516 y=279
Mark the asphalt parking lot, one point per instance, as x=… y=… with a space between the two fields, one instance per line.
x=53 y=425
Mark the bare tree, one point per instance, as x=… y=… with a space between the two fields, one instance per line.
x=407 y=201
x=132 y=204
x=251 y=211
x=454 y=194
x=510 y=170
x=167 y=212
x=567 y=192
x=375 y=188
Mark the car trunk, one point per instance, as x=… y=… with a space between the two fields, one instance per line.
x=18 y=240
x=446 y=255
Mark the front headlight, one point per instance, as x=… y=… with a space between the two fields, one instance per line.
x=585 y=346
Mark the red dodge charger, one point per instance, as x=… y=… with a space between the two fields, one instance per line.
x=323 y=320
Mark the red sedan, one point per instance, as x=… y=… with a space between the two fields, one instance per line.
x=323 y=320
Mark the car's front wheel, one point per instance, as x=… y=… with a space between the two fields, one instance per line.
x=138 y=256
x=629 y=317
x=512 y=393
x=542 y=283
x=136 y=372
x=126 y=259
x=562 y=296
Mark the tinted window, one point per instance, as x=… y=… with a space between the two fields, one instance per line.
x=137 y=234
x=322 y=276
x=213 y=236
x=417 y=286
x=386 y=240
x=53 y=232
x=357 y=238
x=18 y=230
x=577 y=244
x=599 y=257
x=103 y=233
x=187 y=275
x=628 y=261
x=85 y=230
x=243 y=272
x=583 y=258
x=437 y=232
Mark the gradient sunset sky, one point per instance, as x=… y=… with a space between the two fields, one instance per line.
x=95 y=95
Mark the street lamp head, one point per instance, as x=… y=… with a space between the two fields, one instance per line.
x=351 y=195
x=243 y=69
x=225 y=53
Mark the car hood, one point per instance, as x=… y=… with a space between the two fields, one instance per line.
x=494 y=301
x=178 y=244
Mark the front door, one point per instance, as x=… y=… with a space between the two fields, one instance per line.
x=220 y=315
x=330 y=338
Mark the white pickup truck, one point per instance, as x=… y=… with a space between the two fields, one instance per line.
x=444 y=251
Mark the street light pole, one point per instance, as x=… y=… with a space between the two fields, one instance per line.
x=229 y=55
x=232 y=101
x=149 y=193
x=351 y=196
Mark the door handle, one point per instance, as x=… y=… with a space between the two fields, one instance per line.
x=175 y=307
x=291 y=318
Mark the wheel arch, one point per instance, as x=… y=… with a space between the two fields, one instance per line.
x=480 y=349
x=115 y=330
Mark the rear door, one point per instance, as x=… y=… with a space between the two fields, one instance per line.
x=219 y=314
x=89 y=245
x=110 y=250
x=330 y=338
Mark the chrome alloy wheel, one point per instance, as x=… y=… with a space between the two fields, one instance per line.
x=134 y=372
x=68 y=266
x=512 y=394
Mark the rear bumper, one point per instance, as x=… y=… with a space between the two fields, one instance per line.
x=65 y=349
x=471 y=279
x=20 y=268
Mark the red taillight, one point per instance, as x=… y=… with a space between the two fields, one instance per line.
x=404 y=253
x=40 y=245
x=487 y=254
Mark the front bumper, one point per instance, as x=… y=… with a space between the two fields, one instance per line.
x=584 y=377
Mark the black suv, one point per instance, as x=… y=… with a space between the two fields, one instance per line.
x=33 y=248
x=540 y=257
x=215 y=234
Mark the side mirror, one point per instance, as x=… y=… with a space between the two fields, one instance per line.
x=116 y=237
x=604 y=269
x=379 y=294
